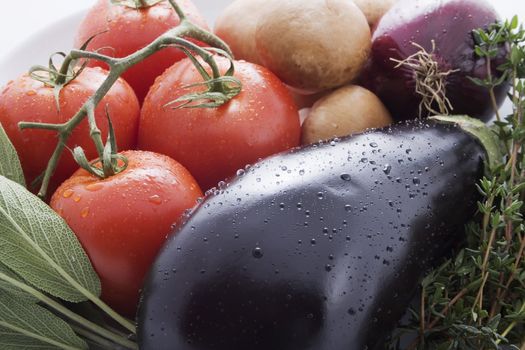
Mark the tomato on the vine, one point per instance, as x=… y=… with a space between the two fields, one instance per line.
x=28 y=100
x=213 y=143
x=123 y=220
x=120 y=30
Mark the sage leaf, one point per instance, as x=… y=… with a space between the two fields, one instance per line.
x=10 y=166
x=11 y=340
x=10 y=288
x=29 y=326
x=37 y=244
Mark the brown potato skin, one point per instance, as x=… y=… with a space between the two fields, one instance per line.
x=236 y=26
x=348 y=110
x=374 y=9
x=313 y=44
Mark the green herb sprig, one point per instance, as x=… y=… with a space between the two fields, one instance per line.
x=476 y=301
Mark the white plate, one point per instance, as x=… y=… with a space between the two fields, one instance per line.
x=59 y=36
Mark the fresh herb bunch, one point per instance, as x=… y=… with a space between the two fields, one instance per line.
x=477 y=300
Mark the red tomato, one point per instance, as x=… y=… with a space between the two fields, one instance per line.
x=122 y=221
x=123 y=30
x=26 y=99
x=213 y=143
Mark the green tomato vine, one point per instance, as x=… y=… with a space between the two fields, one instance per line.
x=220 y=88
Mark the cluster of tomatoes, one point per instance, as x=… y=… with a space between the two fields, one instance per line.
x=174 y=154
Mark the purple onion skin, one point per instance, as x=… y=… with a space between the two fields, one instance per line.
x=450 y=24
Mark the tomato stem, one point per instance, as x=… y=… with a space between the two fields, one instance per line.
x=135 y=4
x=117 y=66
x=178 y=10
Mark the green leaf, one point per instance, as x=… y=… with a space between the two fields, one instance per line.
x=8 y=287
x=37 y=244
x=515 y=55
x=446 y=346
x=11 y=340
x=9 y=163
x=29 y=326
x=494 y=322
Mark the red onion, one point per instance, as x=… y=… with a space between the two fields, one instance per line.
x=442 y=31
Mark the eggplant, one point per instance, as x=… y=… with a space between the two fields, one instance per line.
x=320 y=248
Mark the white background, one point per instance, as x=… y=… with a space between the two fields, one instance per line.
x=19 y=19
x=25 y=19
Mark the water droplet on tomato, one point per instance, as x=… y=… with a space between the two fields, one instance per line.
x=94 y=187
x=155 y=199
x=68 y=193
x=84 y=212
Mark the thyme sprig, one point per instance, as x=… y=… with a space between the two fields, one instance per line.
x=476 y=301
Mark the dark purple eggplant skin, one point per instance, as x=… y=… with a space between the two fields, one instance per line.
x=321 y=248
x=449 y=23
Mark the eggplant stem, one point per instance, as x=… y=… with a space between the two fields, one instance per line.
x=431 y=82
x=482 y=133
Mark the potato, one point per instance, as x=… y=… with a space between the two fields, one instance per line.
x=313 y=44
x=236 y=26
x=348 y=110
x=374 y=9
